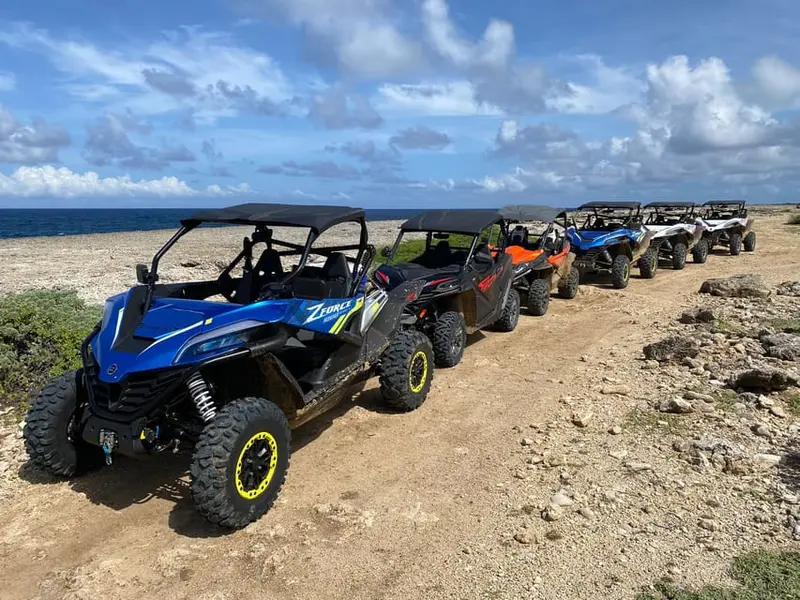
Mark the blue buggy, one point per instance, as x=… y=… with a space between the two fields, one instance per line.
x=227 y=367
x=607 y=237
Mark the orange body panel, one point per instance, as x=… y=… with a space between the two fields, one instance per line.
x=521 y=255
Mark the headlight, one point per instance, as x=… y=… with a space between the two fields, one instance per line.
x=218 y=340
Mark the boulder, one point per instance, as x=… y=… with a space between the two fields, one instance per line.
x=736 y=286
x=674 y=348
x=785 y=346
x=697 y=315
x=789 y=288
x=764 y=379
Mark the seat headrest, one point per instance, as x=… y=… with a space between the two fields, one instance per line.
x=336 y=266
x=519 y=235
x=269 y=262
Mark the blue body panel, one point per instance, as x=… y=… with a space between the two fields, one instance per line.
x=172 y=324
x=583 y=241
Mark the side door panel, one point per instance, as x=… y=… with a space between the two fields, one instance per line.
x=491 y=289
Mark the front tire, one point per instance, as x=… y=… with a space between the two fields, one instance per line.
x=679 y=256
x=569 y=288
x=750 y=242
x=240 y=462
x=620 y=271
x=51 y=434
x=538 y=297
x=700 y=252
x=449 y=339
x=735 y=243
x=648 y=263
x=407 y=371
x=509 y=317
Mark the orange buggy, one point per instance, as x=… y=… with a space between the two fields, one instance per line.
x=542 y=262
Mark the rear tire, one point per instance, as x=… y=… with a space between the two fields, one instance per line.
x=569 y=288
x=407 y=371
x=240 y=462
x=735 y=243
x=750 y=242
x=679 y=256
x=620 y=271
x=509 y=317
x=648 y=263
x=538 y=297
x=700 y=252
x=449 y=339
x=51 y=436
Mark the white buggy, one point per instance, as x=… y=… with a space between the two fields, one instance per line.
x=727 y=224
x=677 y=231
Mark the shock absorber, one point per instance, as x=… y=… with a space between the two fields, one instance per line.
x=201 y=396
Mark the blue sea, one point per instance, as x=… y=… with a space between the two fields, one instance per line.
x=52 y=222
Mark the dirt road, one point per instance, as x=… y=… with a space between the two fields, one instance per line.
x=421 y=505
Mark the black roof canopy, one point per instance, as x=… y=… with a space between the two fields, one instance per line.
x=611 y=204
x=669 y=204
x=530 y=212
x=724 y=202
x=316 y=217
x=452 y=220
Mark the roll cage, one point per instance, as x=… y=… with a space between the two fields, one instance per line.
x=607 y=216
x=521 y=215
x=265 y=277
x=724 y=209
x=461 y=236
x=669 y=213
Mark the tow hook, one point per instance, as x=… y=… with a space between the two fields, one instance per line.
x=108 y=441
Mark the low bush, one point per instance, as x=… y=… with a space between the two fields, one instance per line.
x=762 y=575
x=40 y=337
x=794 y=220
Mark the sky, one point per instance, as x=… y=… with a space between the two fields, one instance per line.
x=397 y=103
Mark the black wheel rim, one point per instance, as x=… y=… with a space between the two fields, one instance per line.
x=458 y=342
x=256 y=466
x=418 y=371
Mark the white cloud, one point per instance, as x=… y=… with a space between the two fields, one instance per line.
x=777 y=80
x=8 y=81
x=495 y=49
x=457 y=98
x=147 y=76
x=49 y=181
x=608 y=89
x=364 y=36
x=36 y=142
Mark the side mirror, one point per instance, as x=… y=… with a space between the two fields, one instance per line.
x=385 y=251
x=142 y=273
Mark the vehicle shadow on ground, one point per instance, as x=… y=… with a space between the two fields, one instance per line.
x=604 y=281
x=789 y=467
x=129 y=481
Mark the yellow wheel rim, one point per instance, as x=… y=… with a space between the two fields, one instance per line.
x=418 y=371
x=626 y=271
x=246 y=489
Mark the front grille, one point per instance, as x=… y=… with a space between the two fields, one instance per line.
x=134 y=396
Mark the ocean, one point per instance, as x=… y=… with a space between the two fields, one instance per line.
x=16 y=223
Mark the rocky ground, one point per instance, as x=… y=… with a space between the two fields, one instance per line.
x=626 y=437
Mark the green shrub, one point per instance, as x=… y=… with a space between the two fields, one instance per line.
x=762 y=575
x=794 y=220
x=40 y=337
